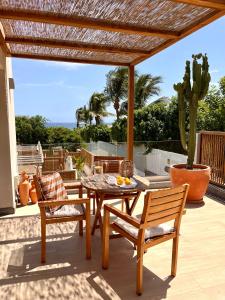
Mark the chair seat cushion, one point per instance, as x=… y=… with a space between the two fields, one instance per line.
x=66 y=211
x=149 y=233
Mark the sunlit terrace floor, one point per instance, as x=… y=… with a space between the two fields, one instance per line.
x=68 y=275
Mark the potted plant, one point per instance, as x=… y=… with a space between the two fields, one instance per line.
x=79 y=164
x=189 y=93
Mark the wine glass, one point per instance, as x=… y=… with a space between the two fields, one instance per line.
x=98 y=170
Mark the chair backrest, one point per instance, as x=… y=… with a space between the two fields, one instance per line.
x=111 y=166
x=53 y=164
x=88 y=156
x=164 y=205
x=52 y=187
x=107 y=157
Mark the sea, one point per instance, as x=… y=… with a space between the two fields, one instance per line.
x=69 y=125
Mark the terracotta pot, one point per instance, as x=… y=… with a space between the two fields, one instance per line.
x=24 y=188
x=198 y=179
x=33 y=194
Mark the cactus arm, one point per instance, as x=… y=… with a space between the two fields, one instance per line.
x=192 y=135
x=206 y=78
x=181 y=120
x=182 y=113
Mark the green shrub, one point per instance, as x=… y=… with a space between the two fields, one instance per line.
x=95 y=133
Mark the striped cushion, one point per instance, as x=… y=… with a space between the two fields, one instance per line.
x=53 y=188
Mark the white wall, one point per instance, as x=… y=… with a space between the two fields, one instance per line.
x=8 y=165
x=157 y=160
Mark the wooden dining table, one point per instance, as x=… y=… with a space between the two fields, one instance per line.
x=98 y=185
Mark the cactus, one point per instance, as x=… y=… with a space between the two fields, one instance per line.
x=189 y=93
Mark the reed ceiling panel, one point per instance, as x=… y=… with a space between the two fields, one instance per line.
x=124 y=25
x=28 y=29
x=160 y=14
x=71 y=54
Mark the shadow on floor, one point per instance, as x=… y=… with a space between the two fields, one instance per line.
x=66 y=257
x=193 y=205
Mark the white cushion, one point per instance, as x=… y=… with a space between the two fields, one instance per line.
x=149 y=233
x=67 y=211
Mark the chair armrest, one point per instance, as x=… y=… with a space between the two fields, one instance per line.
x=72 y=185
x=131 y=220
x=62 y=202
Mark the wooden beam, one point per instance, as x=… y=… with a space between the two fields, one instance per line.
x=67 y=59
x=187 y=31
x=73 y=45
x=85 y=23
x=130 y=118
x=3 y=44
x=217 y=4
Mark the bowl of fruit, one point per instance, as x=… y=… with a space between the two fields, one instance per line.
x=126 y=182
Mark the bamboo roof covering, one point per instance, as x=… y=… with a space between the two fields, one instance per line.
x=114 y=32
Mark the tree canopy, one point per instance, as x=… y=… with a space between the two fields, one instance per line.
x=30 y=130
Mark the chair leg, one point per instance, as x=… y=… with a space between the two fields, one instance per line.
x=81 y=228
x=139 y=284
x=93 y=211
x=43 y=241
x=105 y=241
x=122 y=205
x=80 y=192
x=88 y=231
x=174 y=256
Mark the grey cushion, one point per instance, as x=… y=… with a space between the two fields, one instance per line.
x=149 y=233
x=67 y=211
x=87 y=170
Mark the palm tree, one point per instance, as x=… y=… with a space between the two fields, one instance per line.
x=87 y=115
x=146 y=86
x=116 y=87
x=79 y=115
x=97 y=107
x=83 y=115
x=165 y=100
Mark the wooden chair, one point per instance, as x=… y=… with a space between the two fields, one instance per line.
x=71 y=213
x=151 y=229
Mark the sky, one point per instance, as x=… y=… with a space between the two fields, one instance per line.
x=56 y=89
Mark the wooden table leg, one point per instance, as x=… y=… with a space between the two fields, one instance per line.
x=130 y=209
x=134 y=202
x=126 y=200
x=98 y=213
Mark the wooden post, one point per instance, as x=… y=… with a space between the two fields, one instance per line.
x=130 y=119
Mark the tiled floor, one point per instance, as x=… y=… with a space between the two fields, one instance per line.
x=68 y=275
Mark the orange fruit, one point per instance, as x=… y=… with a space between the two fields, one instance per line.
x=127 y=181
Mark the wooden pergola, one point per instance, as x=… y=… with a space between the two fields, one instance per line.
x=106 y=32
